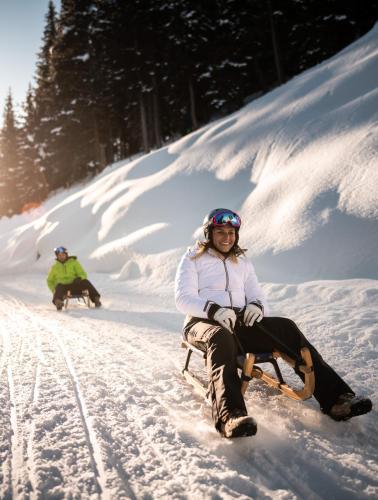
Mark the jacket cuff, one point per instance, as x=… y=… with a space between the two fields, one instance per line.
x=258 y=303
x=212 y=310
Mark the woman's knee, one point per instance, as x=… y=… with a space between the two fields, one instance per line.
x=280 y=322
x=223 y=340
x=290 y=324
x=286 y=329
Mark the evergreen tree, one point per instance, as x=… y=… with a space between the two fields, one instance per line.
x=114 y=48
x=10 y=172
x=238 y=51
x=313 y=31
x=189 y=32
x=73 y=127
x=34 y=188
x=128 y=79
x=45 y=109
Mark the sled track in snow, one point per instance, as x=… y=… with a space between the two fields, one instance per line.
x=22 y=465
x=114 y=460
x=16 y=461
x=90 y=434
x=93 y=446
x=31 y=469
x=91 y=440
x=15 y=444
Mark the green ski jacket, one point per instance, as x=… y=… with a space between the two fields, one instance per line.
x=65 y=273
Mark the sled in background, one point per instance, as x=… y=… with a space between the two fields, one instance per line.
x=81 y=298
x=249 y=370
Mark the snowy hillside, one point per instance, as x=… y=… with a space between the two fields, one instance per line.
x=93 y=404
x=300 y=164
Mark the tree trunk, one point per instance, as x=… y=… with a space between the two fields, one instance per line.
x=193 y=114
x=156 y=114
x=259 y=74
x=143 y=124
x=276 y=51
x=99 y=148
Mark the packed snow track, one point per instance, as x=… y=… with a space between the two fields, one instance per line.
x=93 y=404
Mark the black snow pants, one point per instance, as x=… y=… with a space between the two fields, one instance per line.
x=76 y=288
x=221 y=353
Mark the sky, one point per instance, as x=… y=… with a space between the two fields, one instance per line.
x=21 y=28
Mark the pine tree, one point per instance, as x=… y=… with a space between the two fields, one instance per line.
x=74 y=127
x=189 y=30
x=313 y=31
x=45 y=109
x=128 y=90
x=114 y=50
x=10 y=172
x=236 y=50
x=34 y=187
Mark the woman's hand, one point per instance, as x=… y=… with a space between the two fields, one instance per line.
x=226 y=318
x=252 y=313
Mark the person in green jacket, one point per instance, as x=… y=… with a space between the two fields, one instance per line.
x=67 y=274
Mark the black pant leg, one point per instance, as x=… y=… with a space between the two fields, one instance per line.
x=79 y=286
x=328 y=384
x=224 y=381
x=60 y=292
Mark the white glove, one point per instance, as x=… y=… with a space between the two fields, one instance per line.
x=252 y=313
x=226 y=318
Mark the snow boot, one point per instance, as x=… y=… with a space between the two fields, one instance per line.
x=97 y=301
x=348 y=405
x=59 y=304
x=238 y=424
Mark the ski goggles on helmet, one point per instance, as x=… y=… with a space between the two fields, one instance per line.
x=60 y=250
x=224 y=218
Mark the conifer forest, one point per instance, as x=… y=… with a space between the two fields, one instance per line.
x=116 y=78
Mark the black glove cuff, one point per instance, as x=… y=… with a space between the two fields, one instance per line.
x=212 y=310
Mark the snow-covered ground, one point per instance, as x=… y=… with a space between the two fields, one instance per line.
x=92 y=402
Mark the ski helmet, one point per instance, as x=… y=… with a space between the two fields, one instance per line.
x=221 y=217
x=60 y=250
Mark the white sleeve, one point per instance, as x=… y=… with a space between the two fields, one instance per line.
x=253 y=292
x=186 y=290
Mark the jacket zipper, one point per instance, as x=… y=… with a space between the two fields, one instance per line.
x=227 y=281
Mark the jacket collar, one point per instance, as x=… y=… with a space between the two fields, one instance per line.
x=217 y=254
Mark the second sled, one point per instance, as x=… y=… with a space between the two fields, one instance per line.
x=81 y=298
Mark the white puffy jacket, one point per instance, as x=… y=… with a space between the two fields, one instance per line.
x=210 y=278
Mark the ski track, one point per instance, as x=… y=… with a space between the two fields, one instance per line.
x=92 y=444
x=97 y=410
